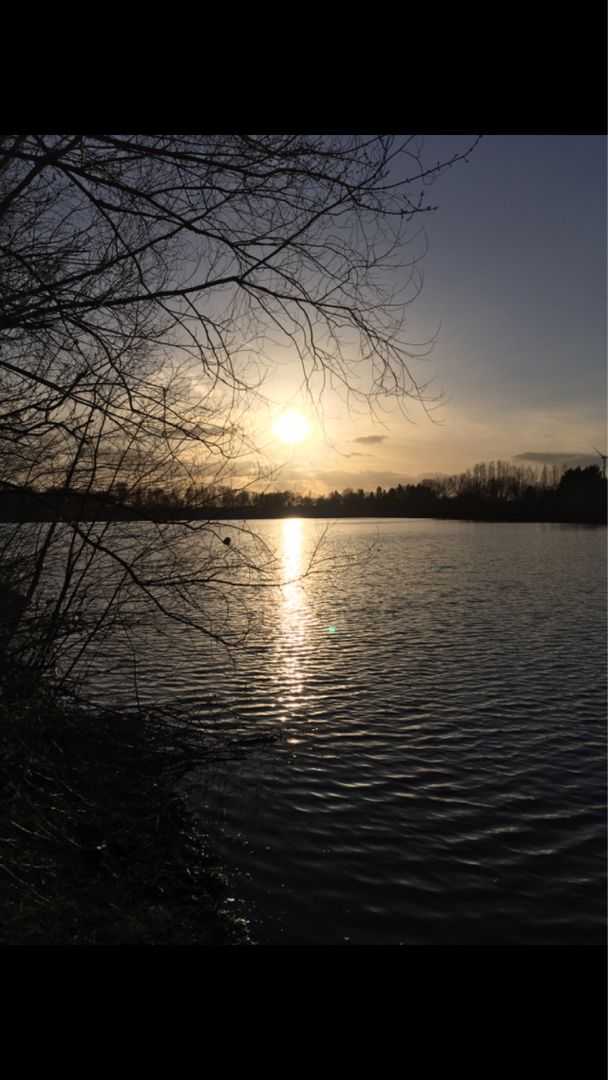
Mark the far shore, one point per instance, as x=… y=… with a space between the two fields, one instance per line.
x=227 y=514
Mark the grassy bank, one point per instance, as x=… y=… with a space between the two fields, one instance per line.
x=96 y=846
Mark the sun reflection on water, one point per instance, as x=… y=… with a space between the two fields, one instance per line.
x=291 y=641
x=292 y=563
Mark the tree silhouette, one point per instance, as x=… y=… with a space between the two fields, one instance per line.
x=145 y=281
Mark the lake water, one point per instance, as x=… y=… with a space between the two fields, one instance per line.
x=440 y=705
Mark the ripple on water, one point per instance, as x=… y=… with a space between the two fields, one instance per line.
x=440 y=771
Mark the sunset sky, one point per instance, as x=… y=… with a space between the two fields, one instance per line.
x=515 y=289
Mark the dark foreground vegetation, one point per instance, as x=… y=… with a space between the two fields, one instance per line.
x=97 y=846
x=495 y=492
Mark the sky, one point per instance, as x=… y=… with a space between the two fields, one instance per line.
x=515 y=289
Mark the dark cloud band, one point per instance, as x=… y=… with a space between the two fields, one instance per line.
x=562 y=457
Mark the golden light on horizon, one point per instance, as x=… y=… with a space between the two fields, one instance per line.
x=291 y=427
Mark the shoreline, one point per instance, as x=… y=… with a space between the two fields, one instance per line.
x=98 y=846
x=237 y=515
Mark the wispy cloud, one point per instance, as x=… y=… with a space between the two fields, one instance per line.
x=560 y=457
x=369 y=440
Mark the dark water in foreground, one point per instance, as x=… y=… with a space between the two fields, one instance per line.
x=440 y=772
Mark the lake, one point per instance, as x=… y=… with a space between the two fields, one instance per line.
x=439 y=699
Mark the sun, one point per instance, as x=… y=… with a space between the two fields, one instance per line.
x=291 y=427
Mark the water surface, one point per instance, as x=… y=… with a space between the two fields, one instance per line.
x=439 y=776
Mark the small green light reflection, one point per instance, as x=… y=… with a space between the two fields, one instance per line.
x=331 y=629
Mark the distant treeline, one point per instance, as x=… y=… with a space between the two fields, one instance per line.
x=498 y=491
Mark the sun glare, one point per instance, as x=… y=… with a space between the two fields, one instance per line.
x=291 y=427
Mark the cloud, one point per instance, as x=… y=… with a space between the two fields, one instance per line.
x=561 y=457
x=369 y=440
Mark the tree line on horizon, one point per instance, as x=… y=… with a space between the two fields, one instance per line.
x=494 y=490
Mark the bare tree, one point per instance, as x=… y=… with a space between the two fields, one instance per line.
x=143 y=283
